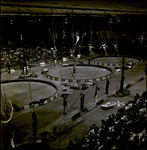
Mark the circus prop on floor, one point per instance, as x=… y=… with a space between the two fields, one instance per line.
x=108 y=105
x=44 y=71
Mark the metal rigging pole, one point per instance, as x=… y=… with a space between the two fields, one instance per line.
x=122 y=75
x=91 y=31
x=73 y=33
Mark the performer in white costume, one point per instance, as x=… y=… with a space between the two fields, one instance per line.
x=104 y=46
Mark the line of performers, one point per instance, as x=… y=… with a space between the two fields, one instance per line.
x=104 y=47
x=91 y=53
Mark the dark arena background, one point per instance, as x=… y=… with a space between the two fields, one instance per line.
x=73 y=75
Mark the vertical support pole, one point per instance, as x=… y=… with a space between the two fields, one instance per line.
x=91 y=31
x=105 y=33
x=105 y=30
x=146 y=77
x=123 y=66
x=122 y=75
x=73 y=32
x=53 y=27
x=34 y=121
x=63 y=31
x=146 y=68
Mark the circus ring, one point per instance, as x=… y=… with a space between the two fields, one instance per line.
x=22 y=87
x=113 y=61
x=84 y=73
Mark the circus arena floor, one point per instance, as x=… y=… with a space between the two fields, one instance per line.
x=50 y=113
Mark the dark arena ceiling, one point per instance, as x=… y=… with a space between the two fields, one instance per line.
x=71 y=8
x=34 y=17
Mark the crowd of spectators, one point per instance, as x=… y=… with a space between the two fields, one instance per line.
x=13 y=56
x=125 y=130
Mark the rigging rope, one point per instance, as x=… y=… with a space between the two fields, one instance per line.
x=30 y=92
x=82 y=39
x=111 y=30
x=114 y=37
x=5 y=96
x=72 y=73
x=99 y=68
x=91 y=32
x=54 y=38
x=51 y=35
x=118 y=77
x=6 y=108
x=117 y=56
x=73 y=32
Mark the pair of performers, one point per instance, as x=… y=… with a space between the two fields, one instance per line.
x=115 y=45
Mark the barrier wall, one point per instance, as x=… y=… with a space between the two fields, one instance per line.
x=85 y=80
x=107 y=64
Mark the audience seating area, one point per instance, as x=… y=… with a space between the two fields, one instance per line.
x=18 y=55
x=125 y=130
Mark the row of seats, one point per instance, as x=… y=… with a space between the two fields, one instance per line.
x=127 y=129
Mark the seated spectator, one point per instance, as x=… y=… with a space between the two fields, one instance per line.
x=85 y=145
x=136 y=142
x=137 y=96
x=143 y=141
x=76 y=143
x=95 y=128
x=91 y=132
x=80 y=143
x=144 y=95
x=70 y=146
x=117 y=131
